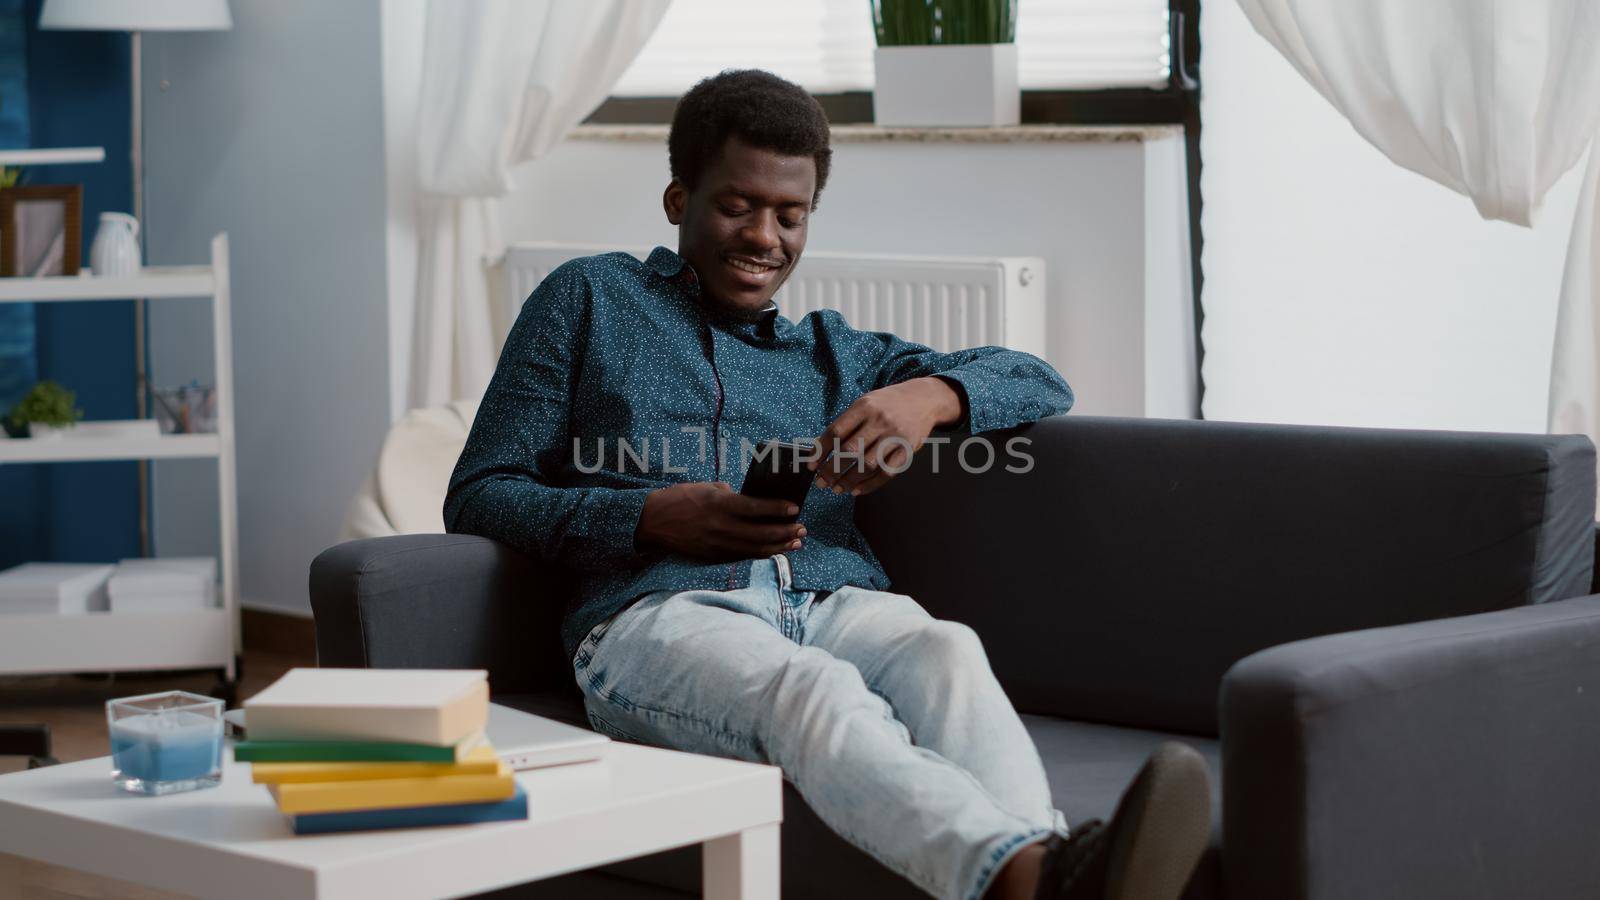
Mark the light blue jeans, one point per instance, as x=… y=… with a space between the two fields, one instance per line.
x=888 y=721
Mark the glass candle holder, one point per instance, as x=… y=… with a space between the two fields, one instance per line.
x=165 y=743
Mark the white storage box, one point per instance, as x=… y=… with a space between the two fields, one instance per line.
x=170 y=584
x=54 y=588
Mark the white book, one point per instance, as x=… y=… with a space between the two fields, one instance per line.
x=54 y=588
x=412 y=706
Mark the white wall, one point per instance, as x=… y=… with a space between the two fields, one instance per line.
x=273 y=132
x=1081 y=206
x=1171 y=382
x=1342 y=289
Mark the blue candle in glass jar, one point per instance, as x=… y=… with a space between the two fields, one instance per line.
x=163 y=743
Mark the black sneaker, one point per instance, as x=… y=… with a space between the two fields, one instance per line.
x=1150 y=847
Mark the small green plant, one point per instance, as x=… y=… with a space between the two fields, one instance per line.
x=46 y=403
x=902 y=23
x=8 y=176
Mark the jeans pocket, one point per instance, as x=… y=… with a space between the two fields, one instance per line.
x=590 y=644
x=609 y=730
x=598 y=633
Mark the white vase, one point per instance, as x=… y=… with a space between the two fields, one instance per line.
x=942 y=85
x=115 y=251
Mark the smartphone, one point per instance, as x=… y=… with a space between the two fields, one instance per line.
x=778 y=471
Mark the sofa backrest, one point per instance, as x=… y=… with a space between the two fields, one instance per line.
x=1138 y=559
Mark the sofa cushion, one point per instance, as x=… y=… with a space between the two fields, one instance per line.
x=1089 y=765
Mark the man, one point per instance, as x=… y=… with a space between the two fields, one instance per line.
x=715 y=623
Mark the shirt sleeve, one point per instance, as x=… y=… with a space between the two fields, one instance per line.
x=1000 y=388
x=505 y=485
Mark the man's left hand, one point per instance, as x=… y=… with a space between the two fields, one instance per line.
x=874 y=439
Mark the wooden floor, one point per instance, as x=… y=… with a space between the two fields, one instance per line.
x=74 y=708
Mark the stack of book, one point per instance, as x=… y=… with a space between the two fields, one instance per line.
x=357 y=749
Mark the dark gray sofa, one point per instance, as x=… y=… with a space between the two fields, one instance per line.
x=1380 y=639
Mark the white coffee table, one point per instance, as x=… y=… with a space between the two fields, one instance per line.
x=230 y=841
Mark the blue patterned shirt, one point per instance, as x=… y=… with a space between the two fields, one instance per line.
x=611 y=349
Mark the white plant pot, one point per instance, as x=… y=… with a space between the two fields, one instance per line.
x=46 y=432
x=960 y=85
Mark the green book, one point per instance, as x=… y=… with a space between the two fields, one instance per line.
x=349 y=751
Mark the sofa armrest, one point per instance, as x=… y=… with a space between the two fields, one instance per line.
x=444 y=601
x=1448 y=758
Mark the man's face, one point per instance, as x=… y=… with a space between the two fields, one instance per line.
x=744 y=227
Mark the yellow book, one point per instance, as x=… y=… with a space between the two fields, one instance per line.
x=480 y=760
x=390 y=793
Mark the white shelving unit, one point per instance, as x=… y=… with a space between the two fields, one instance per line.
x=114 y=642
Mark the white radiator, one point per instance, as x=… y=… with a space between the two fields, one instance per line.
x=946 y=302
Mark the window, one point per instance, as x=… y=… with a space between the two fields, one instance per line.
x=1090 y=62
x=826 y=45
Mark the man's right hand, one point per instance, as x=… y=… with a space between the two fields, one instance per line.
x=712 y=521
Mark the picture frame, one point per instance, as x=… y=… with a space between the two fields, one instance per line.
x=41 y=230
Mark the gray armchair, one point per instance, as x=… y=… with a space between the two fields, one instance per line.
x=1380 y=639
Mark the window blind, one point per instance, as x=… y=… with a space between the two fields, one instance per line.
x=826 y=45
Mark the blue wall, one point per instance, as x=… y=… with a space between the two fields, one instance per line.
x=78 y=95
x=19 y=367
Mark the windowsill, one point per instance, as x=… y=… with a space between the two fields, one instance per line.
x=873 y=134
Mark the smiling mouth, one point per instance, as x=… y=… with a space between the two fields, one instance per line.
x=752 y=266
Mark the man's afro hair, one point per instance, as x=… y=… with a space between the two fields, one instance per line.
x=762 y=109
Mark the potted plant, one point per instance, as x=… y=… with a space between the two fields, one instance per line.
x=946 y=63
x=46 y=411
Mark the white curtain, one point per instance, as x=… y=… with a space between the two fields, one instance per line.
x=1575 y=364
x=503 y=81
x=1495 y=99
